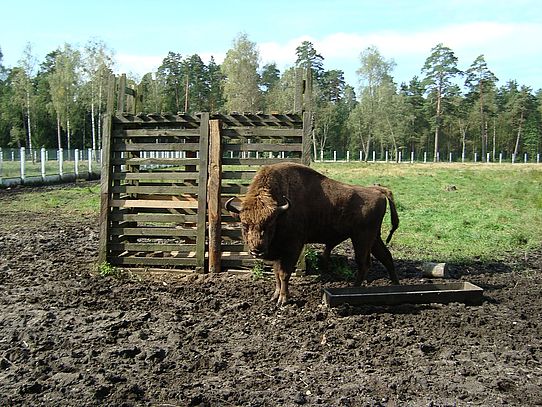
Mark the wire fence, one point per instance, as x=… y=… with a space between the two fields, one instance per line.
x=40 y=166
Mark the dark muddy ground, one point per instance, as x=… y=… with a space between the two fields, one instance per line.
x=69 y=337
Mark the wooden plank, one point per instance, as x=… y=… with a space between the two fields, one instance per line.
x=152 y=203
x=202 y=194
x=123 y=146
x=154 y=261
x=234 y=189
x=175 y=162
x=157 y=133
x=152 y=231
x=105 y=185
x=240 y=175
x=158 y=189
x=307 y=131
x=121 y=95
x=213 y=195
x=152 y=217
x=257 y=161
x=262 y=147
x=175 y=176
x=153 y=247
x=261 y=132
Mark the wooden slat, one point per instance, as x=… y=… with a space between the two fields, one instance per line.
x=122 y=146
x=176 y=176
x=234 y=189
x=152 y=247
x=153 y=261
x=263 y=147
x=158 y=189
x=242 y=175
x=155 y=161
x=152 y=203
x=257 y=161
x=262 y=132
x=157 y=133
x=152 y=231
x=152 y=217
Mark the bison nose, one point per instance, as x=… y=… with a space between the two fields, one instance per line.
x=256 y=253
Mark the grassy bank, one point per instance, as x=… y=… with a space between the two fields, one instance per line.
x=454 y=213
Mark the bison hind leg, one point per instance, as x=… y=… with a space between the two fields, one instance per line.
x=362 y=248
x=382 y=254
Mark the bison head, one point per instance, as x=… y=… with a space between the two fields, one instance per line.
x=258 y=215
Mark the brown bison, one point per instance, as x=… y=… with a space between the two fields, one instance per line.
x=288 y=205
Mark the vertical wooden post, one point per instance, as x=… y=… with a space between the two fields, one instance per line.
x=202 y=192
x=122 y=94
x=306 y=139
x=213 y=196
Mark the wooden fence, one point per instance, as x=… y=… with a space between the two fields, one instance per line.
x=165 y=179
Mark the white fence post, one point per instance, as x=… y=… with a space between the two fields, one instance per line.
x=412 y=157
x=89 y=157
x=60 y=162
x=450 y=159
x=76 y=163
x=475 y=157
x=537 y=158
x=348 y=156
x=374 y=156
x=513 y=158
x=22 y=158
x=334 y=155
x=400 y=156
x=425 y=157
x=1 y=160
x=500 y=158
x=43 y=162
x=360 y=155
x=525 y=158
x=386 y=155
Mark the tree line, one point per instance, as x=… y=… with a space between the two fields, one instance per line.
x=444 y=109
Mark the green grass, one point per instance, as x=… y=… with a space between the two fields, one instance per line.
x=77 y=200
x=495 y=210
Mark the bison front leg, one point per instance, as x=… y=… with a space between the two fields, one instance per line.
x=283 y=270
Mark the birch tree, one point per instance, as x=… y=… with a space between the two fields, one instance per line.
x=63 y=81
x=24 y=90
x=240 y=68
x=97 y=68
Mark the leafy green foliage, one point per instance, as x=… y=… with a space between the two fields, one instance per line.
x=107 y=270
x=258 y=270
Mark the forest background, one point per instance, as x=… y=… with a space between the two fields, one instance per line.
x=451 y=107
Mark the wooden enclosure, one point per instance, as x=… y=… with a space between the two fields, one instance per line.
x=165 y=179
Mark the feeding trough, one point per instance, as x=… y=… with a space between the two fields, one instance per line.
x=444 y=293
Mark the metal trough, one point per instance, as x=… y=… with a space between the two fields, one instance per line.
x=444 y=293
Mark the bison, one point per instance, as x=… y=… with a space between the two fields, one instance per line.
x=288 y=205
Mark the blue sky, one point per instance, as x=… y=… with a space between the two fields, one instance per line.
x=141 y=33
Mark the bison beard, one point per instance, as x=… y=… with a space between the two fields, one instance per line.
x=288 y=205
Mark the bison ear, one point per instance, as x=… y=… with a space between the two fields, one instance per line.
x=284 y=207
x=233 y=205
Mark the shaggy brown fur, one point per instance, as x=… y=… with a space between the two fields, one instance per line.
x=288 y=205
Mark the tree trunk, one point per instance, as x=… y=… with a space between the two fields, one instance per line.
x=29 y=141
x=516 y=149
x=437 y=126
x=59 y=140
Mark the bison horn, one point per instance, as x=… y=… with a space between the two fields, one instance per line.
x=285 y=207
x=231 y=207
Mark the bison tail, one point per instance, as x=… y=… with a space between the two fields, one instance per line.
x=393 y=211
x=394 y=216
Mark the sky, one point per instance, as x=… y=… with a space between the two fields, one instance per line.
x=141 y=33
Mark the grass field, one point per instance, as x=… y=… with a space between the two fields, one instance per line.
x=448 y=212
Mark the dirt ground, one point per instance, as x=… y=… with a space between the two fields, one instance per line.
x=70 y=337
